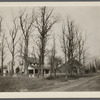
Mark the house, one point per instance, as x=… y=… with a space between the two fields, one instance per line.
x=5 y=71
x=46 y=71
x=34 y=71
x=18 y=62
x=75 y=68
x=33 y=66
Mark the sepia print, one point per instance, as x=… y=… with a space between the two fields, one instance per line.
x=49 y=48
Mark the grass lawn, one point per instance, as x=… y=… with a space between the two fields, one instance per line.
x=24 y=84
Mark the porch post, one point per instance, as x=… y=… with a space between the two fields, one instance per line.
x=34 y=71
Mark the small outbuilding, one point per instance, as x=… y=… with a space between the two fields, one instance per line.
x=73 y=67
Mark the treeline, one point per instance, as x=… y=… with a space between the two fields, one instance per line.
x=36 y=26
x=93 y=67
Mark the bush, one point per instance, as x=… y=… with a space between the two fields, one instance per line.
x=50 y=77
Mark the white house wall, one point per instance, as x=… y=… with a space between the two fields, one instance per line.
x=17 y=61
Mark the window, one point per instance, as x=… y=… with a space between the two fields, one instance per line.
x=46 y=71
x=36 y=71
x=31 y=71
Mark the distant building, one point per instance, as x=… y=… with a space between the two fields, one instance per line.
x=18 y=62
x=5 y=70
x=76 y=68
x=33 y=66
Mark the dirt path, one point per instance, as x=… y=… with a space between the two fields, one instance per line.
x=82 y=84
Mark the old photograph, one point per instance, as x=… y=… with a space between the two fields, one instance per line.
x=49 y=48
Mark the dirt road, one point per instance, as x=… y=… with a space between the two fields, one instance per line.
x=83 y=84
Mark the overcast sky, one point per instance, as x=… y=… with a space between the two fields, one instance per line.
x=87 y=17
x=89 y=20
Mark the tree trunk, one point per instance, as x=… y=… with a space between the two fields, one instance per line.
x=78 y=69
x=51 y=71
x=39 y=67
x=42 y=56
x=26 y=68
x=2 y=55
x=26 y=56
x=12 y=64
x=54 y=72
x=2 y=63
x=13 y=54
x=26 y=63
x=66 y=76
x=42 y=72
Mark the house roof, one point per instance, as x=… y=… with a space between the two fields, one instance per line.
x=63 y=67
x=75 y=62
x=31 y=60
x=46 y=67
x=36 y=67
x=4 y=67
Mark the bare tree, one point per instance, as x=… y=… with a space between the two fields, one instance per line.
x=85 y=53
x=2 y=45
x=21 y=46
x=84 y=57
x=81 y=50
x=71 y=39
x=69 y=44
x=54 y=62
x=3 y=52
x=12 y=45
x=58 y=62
x=81 y=45
x=76 y=45
x=26 y=25
x=33 y=52
x=52 y=57
x=1 y=25
x=64 y=42
x=64 y=46
x=44 y=23
x=37 y=43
